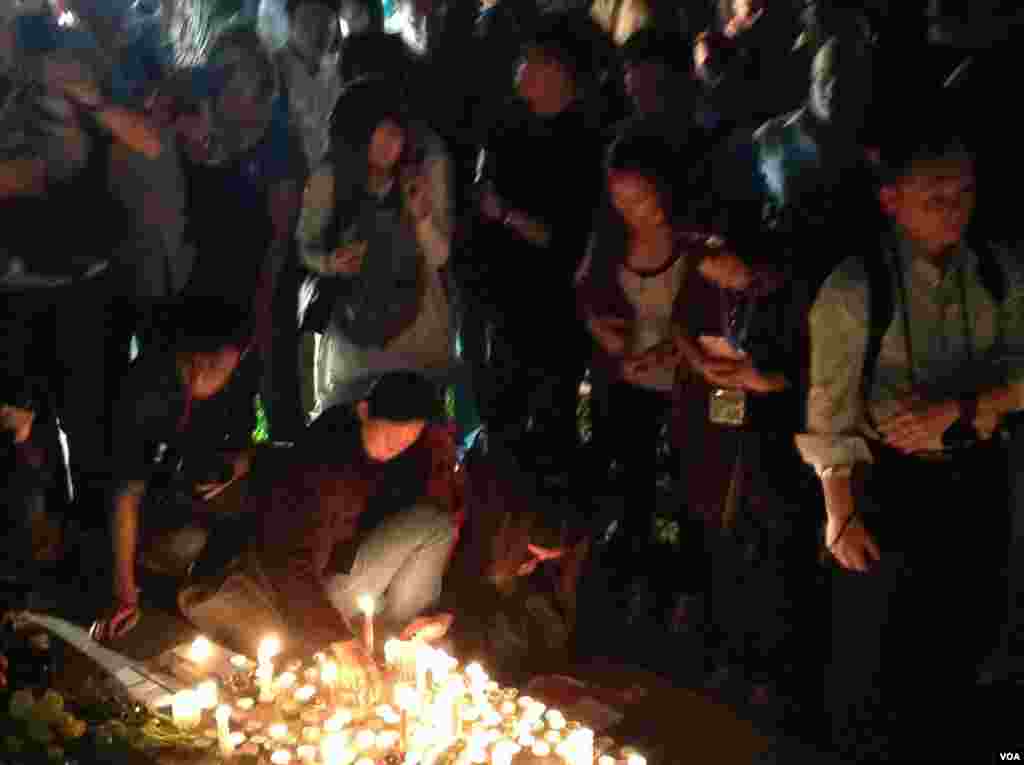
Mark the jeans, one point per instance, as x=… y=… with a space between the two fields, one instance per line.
x=401 y=564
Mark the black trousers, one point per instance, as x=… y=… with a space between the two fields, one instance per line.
x=908 y=636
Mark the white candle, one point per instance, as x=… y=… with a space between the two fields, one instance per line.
x=227 y=744
x=329 y=676
x=239 y=662
x=392 y=653
x=304 y=694
x=367 y=606
x=278 y=731
x=200 y=650
x=206 y=694
x=553 y=736
x=185 y=710
x=541 y=749
x=337 y=721
x=246 y=703
x=364 y=740
x=269 y=648
x=503 y=752
x=334 y=750
x=424 y=659
x=605 y=759
x=509 y=708
x=286 y=681
x=281 y=757
x=636 y=759
x=306 y=753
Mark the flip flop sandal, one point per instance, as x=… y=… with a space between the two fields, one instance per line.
x=117 y=625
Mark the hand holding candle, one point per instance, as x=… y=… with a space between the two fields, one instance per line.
x=224 y=739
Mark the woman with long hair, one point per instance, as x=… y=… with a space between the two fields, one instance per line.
x=375 y=230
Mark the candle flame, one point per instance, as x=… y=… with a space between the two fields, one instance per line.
x=366 y=604
x=329 y=673
x=200 y=650
x=223 y=713
x=270 y=647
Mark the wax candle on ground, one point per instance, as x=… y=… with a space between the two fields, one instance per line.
x=367 y=606
x=239 y=662
x=305 y=694
x=200 y=650
x=185 y=710
x=278 y=731
x=285 y=681
x=281 y=757
x=223 y=717
x=246 y=703
x=206 y=694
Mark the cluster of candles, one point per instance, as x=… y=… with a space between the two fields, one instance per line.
x=437 y=715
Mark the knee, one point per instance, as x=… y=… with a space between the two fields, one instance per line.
x=437 y=526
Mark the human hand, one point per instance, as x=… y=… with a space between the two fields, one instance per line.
x=356 y=668
x=610 y=333
x=491 y=205
x=17 y=421
x=347 y=260
x=726 y=270
x=919 y=425
x=428 y=628
x=850 y=543
x=419 y=200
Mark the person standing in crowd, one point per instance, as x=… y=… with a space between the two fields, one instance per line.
x=310 y=77
x=915 y=361
x=529 y=241
x=375 y=230
x=182 y=444
x=56 y=132
x=244 y=181
x=369 y=502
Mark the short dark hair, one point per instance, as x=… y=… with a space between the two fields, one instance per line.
x=570 y=41
x=293 y=5
x=204 y=325
x=362 y=106
x=649 y=155
x=405 y=397
x=923 y=132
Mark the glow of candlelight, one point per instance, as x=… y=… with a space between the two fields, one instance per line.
x=286 y=681
x=278 y=731
x=367 y=606
x=334 y=750
x=311 y=734
x=365 y=739
x=246 y=703
x=337 y=721
x=306 y=753
x=636 y=759
x=386 y=740
x=185 y=710
x=281 y=757
x=304 y=694
x=237 y=738
x=605 y=759
x=503 y=752
x=270 y=647
x=240 y=662
x=541 y=749
x=365 y=761
x=553 y=736
x=223 y=717
x=200 y=650
x=392 y=652
x=206 y=694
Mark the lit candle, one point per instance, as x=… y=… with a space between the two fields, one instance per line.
x=206 y=694
x=306 y=753
x=556 y=723
x=329 y=676
x=305 y=694
x=392 y=653
x=424 y=662
x=366 y=605
x=227 y=745
x=553 y=736
x=541 y=749
x=337 y=721
x=281 y=757
x=246 y=703
x=239 y=662
x=269 y=648
x=636 y=759
x=605 y=759
x=185 y=710
x=200 y=650
x=405 y=700
x=508 y=708
x=286 y=681
x=503 y=752
x=278 y=731
x=526 y=741
x=334 y=749
x=311 y=734
x=386 y=740
x=365 y=739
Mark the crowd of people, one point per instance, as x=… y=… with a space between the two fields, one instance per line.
x=750 y=243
